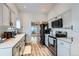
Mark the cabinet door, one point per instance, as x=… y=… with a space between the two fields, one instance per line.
x=13 y=18
x=15 y=50
x=63 y=48
x=46 y=40
x=6 y=15
x=0 y=14
x=21 y=47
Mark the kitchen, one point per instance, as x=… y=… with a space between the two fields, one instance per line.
x=54 y=25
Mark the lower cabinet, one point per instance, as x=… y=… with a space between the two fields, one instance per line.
x=19 y=48
x=22 y=46
x=15 y=50
x=46 y=39
x=14 y=46
x=63 y=48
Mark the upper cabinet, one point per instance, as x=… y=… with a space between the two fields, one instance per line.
x=6 y=15
x=13 y=18
x=0 y=14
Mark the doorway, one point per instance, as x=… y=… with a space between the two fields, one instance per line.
x=35 y=32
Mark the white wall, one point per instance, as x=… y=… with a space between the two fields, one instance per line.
x=75 y=16
x=58 y=9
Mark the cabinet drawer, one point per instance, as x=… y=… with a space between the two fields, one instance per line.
x=60 y=42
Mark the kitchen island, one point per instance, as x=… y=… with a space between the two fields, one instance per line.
x=13 y=46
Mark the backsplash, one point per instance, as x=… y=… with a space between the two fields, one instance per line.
x=2 y=29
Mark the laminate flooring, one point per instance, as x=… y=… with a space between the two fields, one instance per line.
x=38 y=49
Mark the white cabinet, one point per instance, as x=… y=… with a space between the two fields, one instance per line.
x=75 y=44
x=13 y=18
x=6 y=52
x=22 y=46
x=6 y=15
x=0 y=14
x=16 y=50
x=46 y=39
x=19 y=47
x=63 y=48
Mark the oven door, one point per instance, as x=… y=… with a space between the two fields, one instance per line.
x=52 y=45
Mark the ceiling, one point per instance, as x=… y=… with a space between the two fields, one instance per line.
x=34 y=7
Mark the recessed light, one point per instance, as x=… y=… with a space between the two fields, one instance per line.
x=24 y=6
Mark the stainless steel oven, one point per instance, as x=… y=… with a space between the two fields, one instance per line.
x=52 y=45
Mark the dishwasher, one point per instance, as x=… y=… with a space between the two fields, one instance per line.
x=52 y=45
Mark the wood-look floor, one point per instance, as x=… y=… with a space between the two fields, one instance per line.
x=39 y=50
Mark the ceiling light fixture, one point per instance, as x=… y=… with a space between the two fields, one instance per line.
x=24 y=6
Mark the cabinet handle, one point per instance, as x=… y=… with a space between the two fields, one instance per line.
x=19 y=49
x=17 y=46
x=72 y=39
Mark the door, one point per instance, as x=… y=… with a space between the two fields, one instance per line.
x=63 y=48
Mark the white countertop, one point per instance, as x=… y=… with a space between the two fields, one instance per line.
x=65 y=39
x=11 y=42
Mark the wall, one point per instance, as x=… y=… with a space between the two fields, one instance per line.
x=58 y=9
x=75 y=16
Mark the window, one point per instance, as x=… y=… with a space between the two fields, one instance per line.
x=18 y=25
x=34 y=29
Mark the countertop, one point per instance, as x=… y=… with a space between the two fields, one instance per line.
x=68 y=40
x=9 y=43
